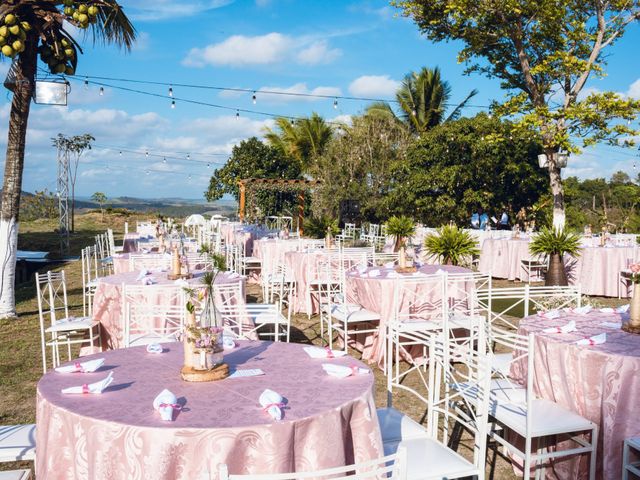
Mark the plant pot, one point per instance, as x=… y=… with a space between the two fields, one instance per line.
x=634 y=308
x=556 y=274
x=207 y=359
x=402 y=258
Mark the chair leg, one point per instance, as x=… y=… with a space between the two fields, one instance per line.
x=592 y=454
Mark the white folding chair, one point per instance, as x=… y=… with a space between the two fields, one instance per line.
x=147 y=261
x=628 y=465
x=539 y=422
x=22 y=474
x=17 y=443
x=90 y=275
x=392 y=466
x=246 y=321
x=61 y=329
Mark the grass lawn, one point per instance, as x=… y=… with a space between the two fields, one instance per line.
x=20 y=355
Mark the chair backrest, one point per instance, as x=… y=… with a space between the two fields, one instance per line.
x=89 y=258
x=111 y=242
x=420 y=299
x=51 y=289
x=139 y=261
x=391 y=466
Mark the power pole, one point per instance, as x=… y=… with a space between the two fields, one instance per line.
x=63 y=198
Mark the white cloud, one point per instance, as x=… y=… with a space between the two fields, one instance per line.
x=298 y=88
x=634 y=90
x=268 y=49
x=374 y=86
x=144 y=10
x=318 y=53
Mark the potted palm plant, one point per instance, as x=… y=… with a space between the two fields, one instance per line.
x=554 y=244
x=401 y=228
x=451 y=245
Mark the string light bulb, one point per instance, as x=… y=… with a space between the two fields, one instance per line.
x=170 y=91
x=413 y=112
x=173 y=104
x=291 y=121
x=188 y=156
x=147 y=172
x=101 y=91
x=253 y=98
x=146 y=154
x=208 y=165
x=120 y=153
x=164 y=159
x=237 y=114
x=335 y=103
x=86 y=83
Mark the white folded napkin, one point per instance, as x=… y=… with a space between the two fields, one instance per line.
x=154 y=348
x=374 y=273
x=145 y=250
x=551 y=314
x=607 y=310
x=569 y=327
x=228 y=343
x=390 y=264
x=582 y=310
x=622 y=309
x=594 y=340
x=440 y=272
x=326 y=352
x=393 y=274
x=148 y=281
x=615 y=325
x=181 y=282
x=272 y=403
x=418 y=274
x=165 y=403
x=233 y=275
x=342 y=371
x=362 y=269
x=143 y=273
x=82 y=367
x=94 y=388
x=248 y=372
x=167 y=255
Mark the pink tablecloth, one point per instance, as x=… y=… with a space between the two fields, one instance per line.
x=327 y=421
x=376 y=294
x=303 y=267
x=597 y=269
x=272 y=251
x=601 y=383
x=130 y=242
x=502 y=258
x=107 y=302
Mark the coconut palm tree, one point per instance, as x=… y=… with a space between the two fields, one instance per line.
x=423 y=99
x=302 y=139
x=33 y=27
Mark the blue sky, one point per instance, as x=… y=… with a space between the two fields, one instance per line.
x=332 y=47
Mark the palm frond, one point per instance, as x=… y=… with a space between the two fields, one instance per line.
x=455 y=115
x=112 y=25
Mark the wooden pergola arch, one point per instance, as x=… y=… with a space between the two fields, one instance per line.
x=300 y=185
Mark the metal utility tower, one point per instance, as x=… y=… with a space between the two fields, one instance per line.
x=62 y=188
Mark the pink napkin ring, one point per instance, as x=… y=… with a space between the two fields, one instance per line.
x=591 y=341
x=558 y=330
x=355 y=370
x=175 y=406
x=79 y=367
x=329 y=352
x=267 y=407
x=85 y=388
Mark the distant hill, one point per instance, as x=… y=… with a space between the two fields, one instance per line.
x=178 y=207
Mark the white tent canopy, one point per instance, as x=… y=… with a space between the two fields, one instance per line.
x=193 y=220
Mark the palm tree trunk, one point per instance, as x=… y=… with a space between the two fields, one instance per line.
x=25 y=73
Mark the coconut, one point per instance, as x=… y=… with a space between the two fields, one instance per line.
x=60 y=68
x=70 y=70
x=69 y=52
x=8 y=51
x=82 y=8
x=10 y=19
x=4 y=31
x=68 y=11
x=3 y=41
x=14 y=29
x=92 y=10
x=83 y=18
x=25 y=26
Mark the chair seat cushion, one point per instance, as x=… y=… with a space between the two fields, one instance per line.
x=17 y=442
x=70 y=324
x=396 y=426
x=348 y=312
x=24 y=474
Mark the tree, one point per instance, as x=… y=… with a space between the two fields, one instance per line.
x=454 y=169
x=41 y=30
x=423 y=99
x=620 y=177
x=100 y=198
x=302 y=139
x=356 y=167
x=72 y=148
x=253 y=159
x=543 y=53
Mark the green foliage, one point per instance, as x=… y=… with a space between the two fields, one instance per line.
x=401 y=228
x=318 y=227
x=459 y=166
x=42 y=204
x=423 y=99
x=551 y=241
x=253 y=159
x=451 y=245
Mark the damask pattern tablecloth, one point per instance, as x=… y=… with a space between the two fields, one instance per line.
x=117 y=435
x=600 y=382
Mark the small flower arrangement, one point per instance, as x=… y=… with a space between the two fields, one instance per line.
x=204 y=338
x=635 y=272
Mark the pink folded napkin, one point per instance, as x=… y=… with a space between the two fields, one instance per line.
x=326 y=352
x=374 y=273
x=148 y=281
x=342 y=371
x=166 y=403
x=569 y=327
x=81 y=367
x=272 y=403
x=594 y=340
x=143 y=273
x=582 y=310
x=551 y=314
x=95 y=388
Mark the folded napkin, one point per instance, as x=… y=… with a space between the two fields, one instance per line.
x=374 y=273
x=146 y=250
x=622 y=309
x=569 y=327
x=440 y=272
x=342 y=371
x=233 y=275
x=551 y=314
x=95 y=388
x=143 y=273
x=167 y=255
x=165 y=403
x=326 y=352
x=228 y=343
x=272 y=403
x=608 y=310
x=181 y=282
x=594 y=340
x=248 y=372
x=154 y=348
x=418 y=274
x=612 y=324
x=82 y=367
x=148 y=281
x=390 y=264
x=362 y=270
x=582 y=310
x=393 y=274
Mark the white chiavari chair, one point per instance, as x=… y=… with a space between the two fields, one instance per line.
x=148 y=261
x=90 y=275
x=60 y=330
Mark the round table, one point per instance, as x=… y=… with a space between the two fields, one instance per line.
x=107 y=301
x=597 y=269
x=502 y=257
x=327 y=421
x=599 y=382
x=376 y=294
x=304 y=268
